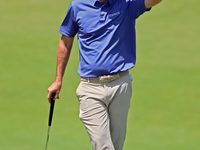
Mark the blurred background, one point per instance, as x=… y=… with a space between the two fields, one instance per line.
x=164 y=113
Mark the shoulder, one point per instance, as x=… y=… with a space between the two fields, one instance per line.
x=75 y=5
x=79 y=3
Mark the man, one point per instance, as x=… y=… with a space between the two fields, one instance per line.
x=106 y=38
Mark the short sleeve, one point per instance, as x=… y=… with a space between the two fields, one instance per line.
x=137 y=7
x=69 y=26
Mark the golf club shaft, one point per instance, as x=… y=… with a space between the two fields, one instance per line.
x=47 y=137
x=50 y=118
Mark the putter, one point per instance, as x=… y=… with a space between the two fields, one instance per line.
x=50 y=118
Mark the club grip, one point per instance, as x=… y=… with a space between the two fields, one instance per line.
x=51 y=108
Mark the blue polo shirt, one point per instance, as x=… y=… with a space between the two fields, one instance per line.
x=106 y=34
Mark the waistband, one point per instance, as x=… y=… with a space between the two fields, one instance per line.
x=105 y=78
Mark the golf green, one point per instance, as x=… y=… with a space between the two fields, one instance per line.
x=164 y=113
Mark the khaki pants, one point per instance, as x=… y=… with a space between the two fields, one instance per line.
x=104 y=110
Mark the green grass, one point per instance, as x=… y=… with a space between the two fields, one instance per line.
x=164 y=112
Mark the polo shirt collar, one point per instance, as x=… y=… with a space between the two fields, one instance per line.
x=109 y=1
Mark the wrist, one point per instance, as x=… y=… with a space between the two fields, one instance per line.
x=58 y=80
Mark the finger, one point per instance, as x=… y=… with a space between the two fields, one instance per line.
x=56 y=96
x=49 y=96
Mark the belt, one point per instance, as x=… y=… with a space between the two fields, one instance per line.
x=105 y=78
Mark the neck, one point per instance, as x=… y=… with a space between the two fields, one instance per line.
x=103 y=1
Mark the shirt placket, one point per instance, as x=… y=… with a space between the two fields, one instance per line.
x=103 y=12
x=102 y=16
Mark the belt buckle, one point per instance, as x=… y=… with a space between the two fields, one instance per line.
x=103 y=79
x=108 y=78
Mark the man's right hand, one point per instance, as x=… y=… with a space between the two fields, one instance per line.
x=54 y=88
x=63 y=53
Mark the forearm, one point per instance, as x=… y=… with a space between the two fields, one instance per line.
x=63 y=55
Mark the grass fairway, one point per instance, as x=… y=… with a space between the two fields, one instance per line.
x=164 y=112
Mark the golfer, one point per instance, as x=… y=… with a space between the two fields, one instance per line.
x=107 y=46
